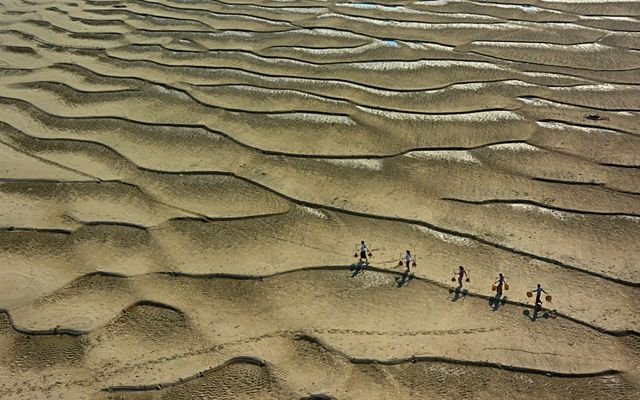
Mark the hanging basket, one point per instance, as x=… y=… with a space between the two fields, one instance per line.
x=400 y=263
x=414 y=264
x=506 y=286
x=493 y=288
x=370 y=254
x=453 y=279
x=529 y=294
x=467 y=280
x=356 y=255
x=548 y=298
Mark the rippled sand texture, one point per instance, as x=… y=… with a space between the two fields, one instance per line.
x=183 y=183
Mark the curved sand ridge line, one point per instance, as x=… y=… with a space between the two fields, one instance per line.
x=310 y=353
x=232 y=20
x=291 y=10
x=259 y=179
x=276 y=14
x=38 y=29
x=269 y=69
x=139 y=388
x=530 y=60
x=565 y=212
x=463 y=119
x=255 y=265
x=551 y=54
x=465 y=32
x=362 y=214
x=263 y=363
x=216 y=118
x=562 y=124
x=154 y=224
x=272 y=75
x=175 y=243
x=314 y=344
x=455 y=89
x=162 y=162
x=369 y=98
x=271 y=66
x=401 y=279
x=399 y=24
x=61 y=23
x=542 y=123
x=222 y=294
x=314 y=205
x=263 y=17
x=144 y=324
x=74 y=332
x=559 y=104
x=572 y=8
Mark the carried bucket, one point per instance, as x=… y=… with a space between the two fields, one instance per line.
x=506 y=286
x=529 y=294
x=493 y=288
x=548 y=298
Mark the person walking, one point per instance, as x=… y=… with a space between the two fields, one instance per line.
x=500 y=285
x=539 y=290
x=461 y=274
x=363 y=252
x=408 y=258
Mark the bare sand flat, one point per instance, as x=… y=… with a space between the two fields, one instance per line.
x=183 y=184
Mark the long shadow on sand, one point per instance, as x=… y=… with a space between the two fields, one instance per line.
x=404 y=278
x=458 y=293
x=496 y=301
x=357 y=268
x=534 y=316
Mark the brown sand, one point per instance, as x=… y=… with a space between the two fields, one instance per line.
x=183 y=183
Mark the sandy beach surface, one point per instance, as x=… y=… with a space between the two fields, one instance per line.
x=184 y=183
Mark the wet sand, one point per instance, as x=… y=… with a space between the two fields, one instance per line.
x=183 y=184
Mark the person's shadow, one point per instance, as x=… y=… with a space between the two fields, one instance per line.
x=404 y=278
x=536 y=310
x=458 y=293
x=358 y=268
x=496 y=301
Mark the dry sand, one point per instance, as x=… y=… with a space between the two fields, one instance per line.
x=183 y=182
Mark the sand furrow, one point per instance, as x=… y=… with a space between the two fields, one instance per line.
x=252 y=182
x=184 y=184
x=262 y=177
x=272 y=255
x=65 y=306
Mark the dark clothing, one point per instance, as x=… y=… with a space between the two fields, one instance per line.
x=539 y=292
x=407 y=262
x=460 y=276
x=363 y=254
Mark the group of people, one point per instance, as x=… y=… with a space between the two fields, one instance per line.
x=462 y=275
x=365 y=253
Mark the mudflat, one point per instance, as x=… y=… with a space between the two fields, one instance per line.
x=184 y=183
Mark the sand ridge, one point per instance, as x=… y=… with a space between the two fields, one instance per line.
x=183 y=184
